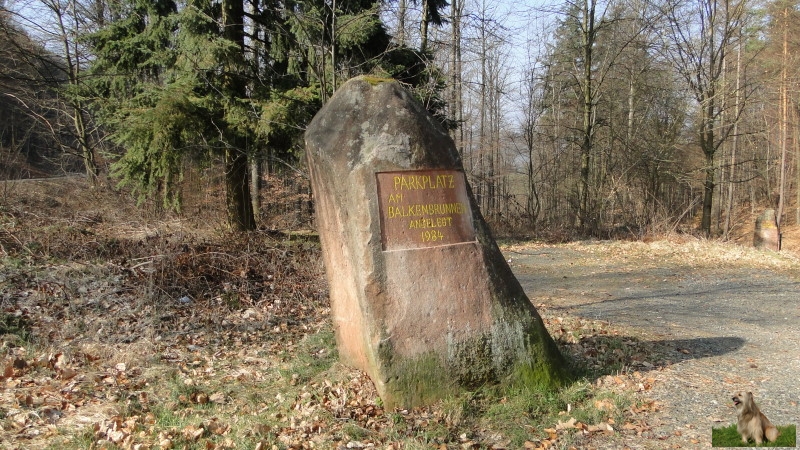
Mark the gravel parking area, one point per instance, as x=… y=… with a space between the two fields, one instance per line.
x=730 y=314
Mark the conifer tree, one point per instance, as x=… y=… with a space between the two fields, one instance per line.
x=230 y=80
x=174 y=84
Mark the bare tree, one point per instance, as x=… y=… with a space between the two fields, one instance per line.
x=456 y=105
x=532 y=110
x=698 y=36
x=59 y=24
x=784 y=46
x=735 y=140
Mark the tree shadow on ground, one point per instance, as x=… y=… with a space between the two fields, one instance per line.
x=597 y=355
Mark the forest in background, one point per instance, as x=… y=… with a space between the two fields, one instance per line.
x=579 y=118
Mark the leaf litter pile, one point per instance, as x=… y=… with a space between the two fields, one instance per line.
x=168 y=339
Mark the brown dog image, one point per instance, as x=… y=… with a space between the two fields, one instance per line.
x=753 y=424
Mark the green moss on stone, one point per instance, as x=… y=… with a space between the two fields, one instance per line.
x=470 y=362
x=539 y=372
x=546 y=366
x=374 y=81
x=417 y=381
x=528 y=356
x=517 y=351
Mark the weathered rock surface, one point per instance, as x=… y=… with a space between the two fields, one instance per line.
x=422 y=314
x=767 y=234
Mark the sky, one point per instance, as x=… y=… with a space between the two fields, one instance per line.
x=521 y=27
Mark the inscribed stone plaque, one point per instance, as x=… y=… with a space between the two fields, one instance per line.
x=424 y=208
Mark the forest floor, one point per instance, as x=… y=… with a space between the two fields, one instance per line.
x=127 y=328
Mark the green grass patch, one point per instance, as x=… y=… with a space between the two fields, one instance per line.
x=316 y=354
x=354 y=432
x=15 y=325
x=729 y=437
x=522 y=413
x=84 y=439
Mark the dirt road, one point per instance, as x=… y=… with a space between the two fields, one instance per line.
x=731 y=314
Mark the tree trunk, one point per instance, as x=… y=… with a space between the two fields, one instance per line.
x=708 y=195
x=784 y=135
x=333 y=47
x=720 y=172
x=533 y=205
x=456 y=108
x=707 y=123
x=255 y=185
x=481 y=195
x=237 y=196
x=89 y=163
x=237 y=193
x=402 y=10
x=583 y=220
x=797 y=169
x=423 y=27
x=491 y=183
x=735 y=142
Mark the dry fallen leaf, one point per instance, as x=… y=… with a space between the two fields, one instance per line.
x=201 y=398
x=215 y=426
x=605 y=405
x=602 y=427
x=193 y=433
x=68 y=373
x=566 y=425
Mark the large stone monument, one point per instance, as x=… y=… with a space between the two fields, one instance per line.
x=766 y=233
x=421 y=297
